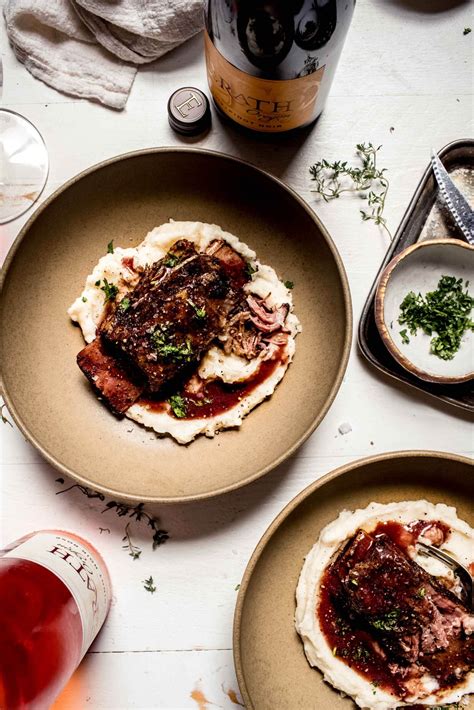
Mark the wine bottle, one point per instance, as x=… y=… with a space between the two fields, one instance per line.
x=54 y=597
x=270 y=63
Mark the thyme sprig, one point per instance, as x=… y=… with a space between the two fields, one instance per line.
x=4 y=419
x=137 y=512
x=149 y=585
x=370 y=181
x=133 y=550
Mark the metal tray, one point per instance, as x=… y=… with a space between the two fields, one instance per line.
x=425 y=218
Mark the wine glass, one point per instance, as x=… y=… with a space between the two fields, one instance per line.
x=23 y=163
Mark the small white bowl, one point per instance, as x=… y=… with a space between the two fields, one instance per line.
x=419 y=268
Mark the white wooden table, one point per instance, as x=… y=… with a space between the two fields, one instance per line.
x=404 y=81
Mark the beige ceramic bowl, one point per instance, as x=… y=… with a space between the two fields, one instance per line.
x=122 y=199
x=419 y=269
x=271 y=666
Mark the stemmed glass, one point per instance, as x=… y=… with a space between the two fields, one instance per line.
x=23 y=163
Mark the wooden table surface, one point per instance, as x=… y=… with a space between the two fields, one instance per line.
x=405 y=82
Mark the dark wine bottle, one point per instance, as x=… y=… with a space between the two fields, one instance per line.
x=271 y=63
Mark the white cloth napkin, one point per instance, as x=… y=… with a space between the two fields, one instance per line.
x=90 y=48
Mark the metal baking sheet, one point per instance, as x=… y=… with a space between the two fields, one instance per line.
x=425 y=218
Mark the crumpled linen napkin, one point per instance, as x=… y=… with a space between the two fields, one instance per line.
x=91 y=48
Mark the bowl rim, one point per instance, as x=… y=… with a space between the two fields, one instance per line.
x=64 y=469
x=280 y=519
x=380 y=294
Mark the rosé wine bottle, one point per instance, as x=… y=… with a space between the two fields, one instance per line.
x=54 y=597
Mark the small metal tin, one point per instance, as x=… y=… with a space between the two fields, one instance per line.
x=189 y=112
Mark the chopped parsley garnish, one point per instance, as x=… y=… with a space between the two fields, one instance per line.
x=178 y=405
x=170 y=260
x=375 y=684
x=467 y=30
x=148 y=585
x=421 y=593
x=445 y=311
x=168 y=350
x=250 y=270
x=124 y=304
x=387 y=622
x=404 y=336
x=84 y=299
x=110 y=291
x=110 y=247
x=289 y=284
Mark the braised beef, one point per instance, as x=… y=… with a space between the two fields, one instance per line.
x=110 y=376
x=418 y=624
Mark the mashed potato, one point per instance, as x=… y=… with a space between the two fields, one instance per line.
x=87 y=310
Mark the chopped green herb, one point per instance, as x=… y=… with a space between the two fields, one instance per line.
x=354 y=582
x=289 y=284
x=110 y=291
x=148 y=585
x=404 y=336
x=133 y=550
x=249 y=269
x=170 y=260
x=387 y=622
x=168 y=350
x=445 y=311
x=178 y=405
x=375 y=684
x=97 y=283
x=361 y=653
x=110 y=247
x=332 y=179
x=421 y=593
x=199 y=311
x=124 y=304
x=467 y=30
x=84 y=299
x=237 y=587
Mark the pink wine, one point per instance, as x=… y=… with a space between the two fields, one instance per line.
x=54 y=597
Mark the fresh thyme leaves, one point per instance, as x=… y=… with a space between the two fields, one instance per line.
x=237 y=587
x=168 y=350
x=133 y=550
x=370 y=181
x=361 y=653
x=250 y=270
x=148 y=585
x=110 y=291
x=445 y=311
x=375 y=684
x=289 y=284
x=467 y=30
x=137 y=512
x=404 y=336
x=84 y=299
x=421 y=593
x=4 y=419
x=110 y=247
x=387 y=622
x=199 y=311
x=178 y=405
x=124 y=304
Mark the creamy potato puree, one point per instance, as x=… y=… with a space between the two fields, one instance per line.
x=87 y=310
x=460 y=543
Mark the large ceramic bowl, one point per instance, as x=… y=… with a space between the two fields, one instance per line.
x=122 y=199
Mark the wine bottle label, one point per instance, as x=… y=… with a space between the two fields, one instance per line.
x=261 y=104
x=78 y=569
